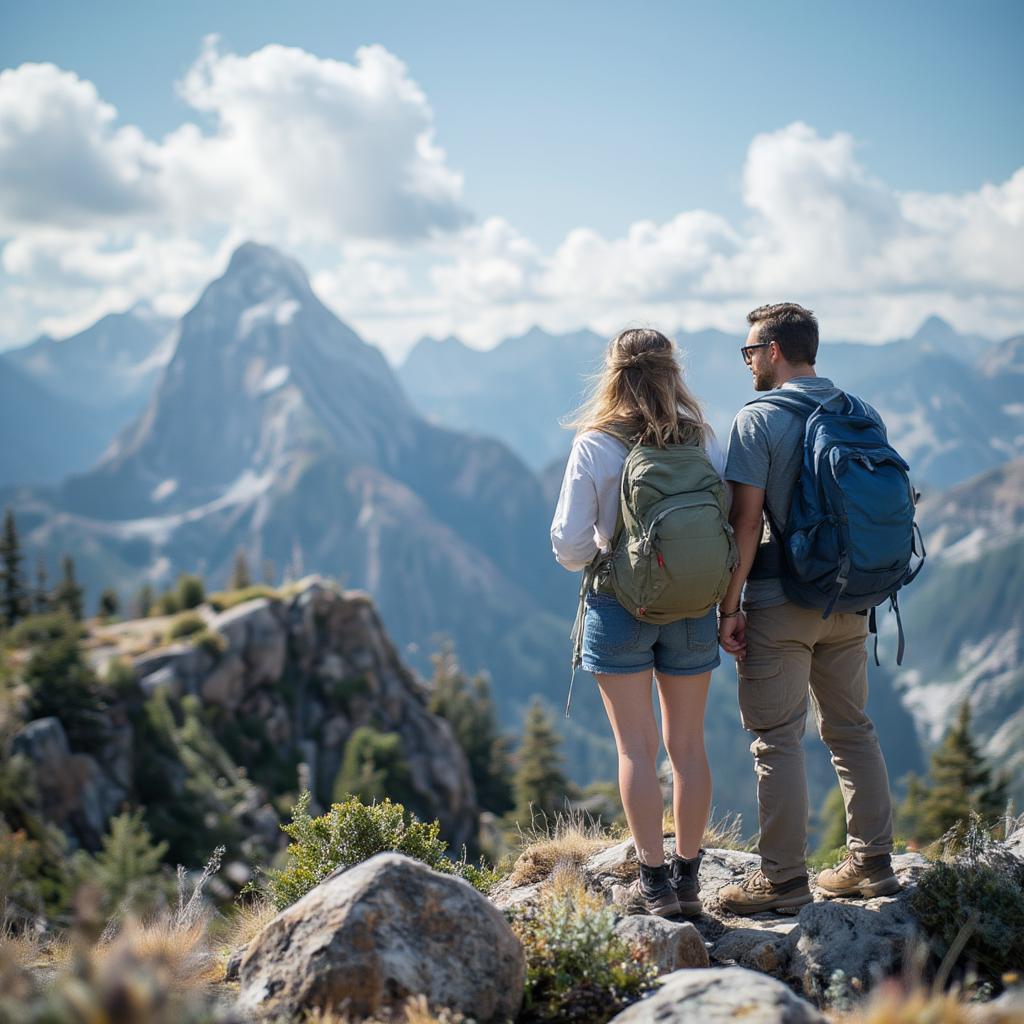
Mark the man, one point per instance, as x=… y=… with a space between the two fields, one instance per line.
x=782 y=648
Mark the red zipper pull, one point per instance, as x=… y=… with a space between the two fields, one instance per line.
x=661 y=560
x=640 y=611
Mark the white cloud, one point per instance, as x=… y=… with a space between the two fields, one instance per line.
x=339 y=163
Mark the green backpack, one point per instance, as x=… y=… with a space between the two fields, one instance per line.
x=673 y=551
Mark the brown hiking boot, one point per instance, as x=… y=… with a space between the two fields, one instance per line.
x=860 y=878
x=652 y=893
x=758 y=893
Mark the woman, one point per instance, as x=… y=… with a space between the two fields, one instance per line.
x=641 y=395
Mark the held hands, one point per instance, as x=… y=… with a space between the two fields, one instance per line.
x=732 y=628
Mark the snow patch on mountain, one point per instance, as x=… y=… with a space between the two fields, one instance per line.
x=164 y=490
x=273 y=379
x=277 y=311
x=160 y=529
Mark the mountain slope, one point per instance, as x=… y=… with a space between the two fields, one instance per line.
x=45 y=436
x=965 y=616
x=949 y=417
x=277 y=429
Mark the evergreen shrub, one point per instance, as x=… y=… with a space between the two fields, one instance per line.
x=350 y=833
x=577 y=968
x=978 y=892
x=185 y=625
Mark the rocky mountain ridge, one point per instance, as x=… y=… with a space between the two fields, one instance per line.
x=272 y=684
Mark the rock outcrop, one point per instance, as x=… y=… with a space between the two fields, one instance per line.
x=366 y=939
x=287 y=683
x=866 y=940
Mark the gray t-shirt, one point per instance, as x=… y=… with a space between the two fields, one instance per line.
x=766 y=449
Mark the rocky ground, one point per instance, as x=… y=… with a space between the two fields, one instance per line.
x=392 y=928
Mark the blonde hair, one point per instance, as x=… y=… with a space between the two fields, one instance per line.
x=641 y=392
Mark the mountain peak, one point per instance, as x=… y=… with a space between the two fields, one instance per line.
x=934 y=328
x=252 y=260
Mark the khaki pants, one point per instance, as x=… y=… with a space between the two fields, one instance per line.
x=788 y=649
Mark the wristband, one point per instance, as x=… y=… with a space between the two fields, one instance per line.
x=729 y=615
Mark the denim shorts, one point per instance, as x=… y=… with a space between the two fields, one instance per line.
x=616 y=643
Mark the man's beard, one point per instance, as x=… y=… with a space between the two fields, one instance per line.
x=764 y=380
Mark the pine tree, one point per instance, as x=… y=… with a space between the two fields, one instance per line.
x=539 y=784
x=68 y=594
x=41 y=595
x=13 y=597
x=241 y=579
x=960 y=782
x=467 y=705
x=109 y=603
x=142 y=605
x=127 y=866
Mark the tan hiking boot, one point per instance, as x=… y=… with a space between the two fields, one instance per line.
x=652 y=893
x=757 y=893
x=859 y=878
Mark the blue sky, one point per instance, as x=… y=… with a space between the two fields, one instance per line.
x=563 y=116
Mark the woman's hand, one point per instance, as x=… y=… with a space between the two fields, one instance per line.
x=732 y=634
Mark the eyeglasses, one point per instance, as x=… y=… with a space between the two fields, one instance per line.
x=747 y=349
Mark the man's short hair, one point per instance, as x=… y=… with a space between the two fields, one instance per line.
x=793 y=328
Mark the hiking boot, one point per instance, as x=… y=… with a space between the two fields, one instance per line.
x=652 y=893
x=683 y=879
x=758 y=893
x=862 y=877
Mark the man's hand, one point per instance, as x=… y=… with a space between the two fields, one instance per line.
x=732 y=635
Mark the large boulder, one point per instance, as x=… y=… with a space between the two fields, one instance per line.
x=366 y=939
x=720 y=995
x=867 y=941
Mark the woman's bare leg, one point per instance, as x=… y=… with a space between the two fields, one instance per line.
x=627 y=699
x=683 y=699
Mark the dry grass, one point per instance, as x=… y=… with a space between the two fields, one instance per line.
x=21 y=948
x=721 y=833
x=182 y=951
x=417 y=1011
x=895 y=1002
x=247 y=920
x=571 y=839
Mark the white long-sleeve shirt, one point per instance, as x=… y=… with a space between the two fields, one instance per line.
x=588 y=503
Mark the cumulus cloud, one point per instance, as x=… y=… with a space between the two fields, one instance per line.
x=339 y=163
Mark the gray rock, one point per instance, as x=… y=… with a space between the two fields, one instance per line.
x=720 y=996
x=225 y=684
x=255 y=631
x=669 y=945
x=866 y=941
x=366 y=939
x=1015 y=843
x=760 y=945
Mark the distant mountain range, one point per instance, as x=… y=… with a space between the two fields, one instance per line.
x=268 y=424
x=70 y=397
x=948 y=398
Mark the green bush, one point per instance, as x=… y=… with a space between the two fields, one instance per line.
x=979 y=892
x=350 y=833
x=225 y=599
x=211 y=641
x=577 y=968
x=167 y=603
x=119 y=677
x=41 y=629
x=185 y=625
x=191 y=591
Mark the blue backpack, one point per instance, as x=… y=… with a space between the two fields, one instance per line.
x=850 y=537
